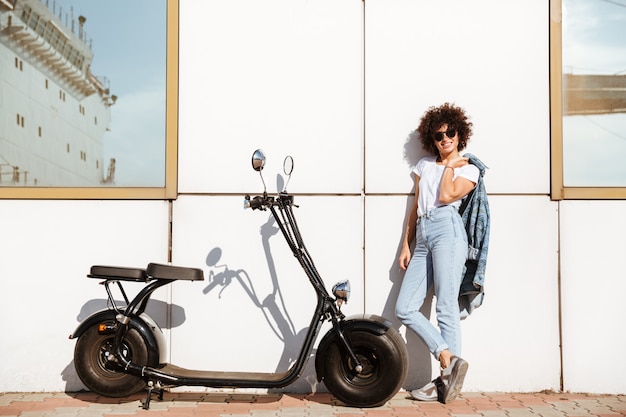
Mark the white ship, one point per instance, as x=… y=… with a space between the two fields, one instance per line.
x=53 y=111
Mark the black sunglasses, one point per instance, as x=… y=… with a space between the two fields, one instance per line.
x=451 y=132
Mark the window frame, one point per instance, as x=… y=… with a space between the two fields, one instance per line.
x=558 y=190
x=170 y=189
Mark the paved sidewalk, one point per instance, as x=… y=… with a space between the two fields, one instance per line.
x=315 y=405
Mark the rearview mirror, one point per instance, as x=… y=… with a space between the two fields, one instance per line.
x=258 y=160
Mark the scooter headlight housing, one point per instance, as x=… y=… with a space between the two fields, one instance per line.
x=341 y=291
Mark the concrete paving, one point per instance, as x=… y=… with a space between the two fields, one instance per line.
x=546 y=404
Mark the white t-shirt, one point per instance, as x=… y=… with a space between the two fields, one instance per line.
x=430 y=178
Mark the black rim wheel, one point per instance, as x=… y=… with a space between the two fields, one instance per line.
x=92 y=360
x=384 y=361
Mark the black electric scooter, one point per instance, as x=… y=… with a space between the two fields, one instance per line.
x=362 y=360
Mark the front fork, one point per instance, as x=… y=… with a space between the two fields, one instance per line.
x=335 y=317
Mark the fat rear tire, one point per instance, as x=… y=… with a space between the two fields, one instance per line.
x=100 y=375
x=384 y=359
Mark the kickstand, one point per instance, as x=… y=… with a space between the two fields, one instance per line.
x=150 y=389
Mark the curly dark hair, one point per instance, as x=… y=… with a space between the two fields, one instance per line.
x=435 y=117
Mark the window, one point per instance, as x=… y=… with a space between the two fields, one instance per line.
x=588 y=91
x=161 y=182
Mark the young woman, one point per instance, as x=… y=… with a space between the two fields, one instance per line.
x=441 y=181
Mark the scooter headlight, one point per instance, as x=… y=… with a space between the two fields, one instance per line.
x=341 y=291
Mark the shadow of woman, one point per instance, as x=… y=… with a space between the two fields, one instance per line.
x=420 y=363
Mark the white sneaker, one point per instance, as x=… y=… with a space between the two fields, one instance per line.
x=453 y=377
x=429 y=392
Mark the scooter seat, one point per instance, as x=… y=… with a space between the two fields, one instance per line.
x=160 y=271
x=119 y=273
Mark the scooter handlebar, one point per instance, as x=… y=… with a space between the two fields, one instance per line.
x=262 y=202
x=259 y=202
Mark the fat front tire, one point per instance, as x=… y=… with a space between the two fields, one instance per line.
x=98 y=373
x=385 y=363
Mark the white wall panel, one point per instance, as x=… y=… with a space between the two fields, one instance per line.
x=593 y=279
x=282 y=75
x=47 y=249
x=288 y=76
x=515 y=333
x=512 y=341
x=252 y=311
x=488 y=56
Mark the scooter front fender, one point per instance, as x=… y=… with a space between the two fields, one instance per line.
x=144 y=324
x=365 y=322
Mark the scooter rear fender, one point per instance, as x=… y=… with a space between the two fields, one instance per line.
x=144 y=324
x=365 y=322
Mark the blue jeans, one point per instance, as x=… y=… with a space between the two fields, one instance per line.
x=438 y=261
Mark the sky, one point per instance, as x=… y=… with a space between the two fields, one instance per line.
x=594 y=42
x=128 y=42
